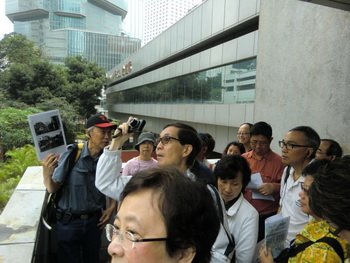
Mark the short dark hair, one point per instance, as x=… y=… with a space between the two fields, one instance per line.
x=261 y=128
x=188 y=135
x=313 y=167
x=334 y=148
x=190 y=218
x=229 y=167
x=208 y=140
x=235 y=143
x=312 y=137
x=330 y=193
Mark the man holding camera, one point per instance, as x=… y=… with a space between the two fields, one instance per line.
x=81 y=213
x=177 y=146
x=171 y=150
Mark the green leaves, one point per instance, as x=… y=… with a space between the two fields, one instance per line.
x=12 y=170
x=15 y=48
x=28 y=78
x=14 y=128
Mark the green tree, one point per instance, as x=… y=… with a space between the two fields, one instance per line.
x=27 y=78
x=16 y=48
x=33 y=83
x=14 y=128
x=85 y=83
x=11 y=171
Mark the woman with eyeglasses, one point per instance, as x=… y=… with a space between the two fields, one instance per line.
x=154 y=223
x=177 y=147
x=317 y=242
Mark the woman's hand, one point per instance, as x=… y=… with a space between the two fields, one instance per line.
x=265 y=254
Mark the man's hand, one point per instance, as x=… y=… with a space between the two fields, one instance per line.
x=120 y=136
x=266 y=188
x=49 y=164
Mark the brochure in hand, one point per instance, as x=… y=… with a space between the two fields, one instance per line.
x=48 y=134
x=276 y=230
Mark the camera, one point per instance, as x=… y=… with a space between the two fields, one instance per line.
x=136 y=125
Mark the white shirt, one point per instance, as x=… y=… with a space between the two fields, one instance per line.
x=108 y=177
x=243 y=221
x=290 y=205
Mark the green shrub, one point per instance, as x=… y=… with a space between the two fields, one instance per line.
x=11 y=171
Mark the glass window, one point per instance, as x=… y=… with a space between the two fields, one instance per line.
x=233 y=83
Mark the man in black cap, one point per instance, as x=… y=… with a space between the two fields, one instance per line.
x=145 y=146
x=81 y=213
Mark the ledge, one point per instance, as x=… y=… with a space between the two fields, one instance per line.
x=20 y=218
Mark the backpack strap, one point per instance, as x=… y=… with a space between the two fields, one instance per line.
x=287 y=174
x=231 y=245
x=294 y=250
x=74 y=155
x=332 y=242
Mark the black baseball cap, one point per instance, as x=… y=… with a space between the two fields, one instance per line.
x=99 y=120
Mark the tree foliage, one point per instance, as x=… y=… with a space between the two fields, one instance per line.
x=16 y=48
x=14 y=128
x=85 y=83
x=12 y=170
x=28 y=78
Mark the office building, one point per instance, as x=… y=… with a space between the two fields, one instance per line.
x=146 y=19
x=234 y=61
x=89 y=28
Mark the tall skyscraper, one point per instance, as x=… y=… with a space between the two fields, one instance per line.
x=148 y=18
x=161 y=14
x=61 y=28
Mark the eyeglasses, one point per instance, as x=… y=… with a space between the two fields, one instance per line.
x=166 y=139
x=290 y=146
x=304 y=189
x=127 y=238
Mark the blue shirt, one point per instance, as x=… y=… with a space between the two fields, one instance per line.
x=79 y=194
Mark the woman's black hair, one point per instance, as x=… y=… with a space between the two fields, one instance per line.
x=188 y=209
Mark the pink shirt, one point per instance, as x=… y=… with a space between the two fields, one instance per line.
x=271 y=168
x=135 y=165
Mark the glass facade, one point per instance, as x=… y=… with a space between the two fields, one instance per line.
x=61 y=28
x=104 y=49
x=233 y=83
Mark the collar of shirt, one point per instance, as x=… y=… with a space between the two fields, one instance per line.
x=266 y=156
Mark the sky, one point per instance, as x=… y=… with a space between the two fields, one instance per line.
x=6 y=25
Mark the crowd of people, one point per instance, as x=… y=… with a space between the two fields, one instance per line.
x=179 y=207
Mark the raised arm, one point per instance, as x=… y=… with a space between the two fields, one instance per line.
x=108 y=172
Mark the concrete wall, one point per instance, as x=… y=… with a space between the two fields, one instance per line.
x=303 y=69
x=20 y=218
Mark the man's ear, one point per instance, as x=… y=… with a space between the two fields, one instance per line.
x=186 y=255
x=309 y=152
